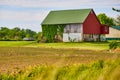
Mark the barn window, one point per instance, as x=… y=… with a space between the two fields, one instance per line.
x=67 y=29
x=72 y=28
x=106 y=28
x=75 y=29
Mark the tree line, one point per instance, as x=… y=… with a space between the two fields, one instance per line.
x=16 y=33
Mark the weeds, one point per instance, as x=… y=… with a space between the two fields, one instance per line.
x=95 y=71
x=114 y=45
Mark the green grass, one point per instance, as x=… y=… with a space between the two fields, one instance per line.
x=81 y=45
x=15 y=43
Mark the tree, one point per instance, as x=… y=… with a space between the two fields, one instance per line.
x=105 y=19
x=30 y=33
x=15 y=33
x=4 y=33
x=118 y=20
x=118 y=10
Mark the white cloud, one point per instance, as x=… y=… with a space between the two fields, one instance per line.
x=59 y=3
x=32 y=19
x=32 y=26
x=22 y=16
x=26 y=25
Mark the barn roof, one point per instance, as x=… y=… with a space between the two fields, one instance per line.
x=116 y=27
x=66 y=16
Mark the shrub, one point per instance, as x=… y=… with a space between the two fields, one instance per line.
x=37 y=40
x=113 y=45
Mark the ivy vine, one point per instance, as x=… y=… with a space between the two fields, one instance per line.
x=50 y=31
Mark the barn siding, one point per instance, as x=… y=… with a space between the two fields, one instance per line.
x=73 y=28
x=75 y=37
x=73 y=32
x=104 y=29
x=91 y=25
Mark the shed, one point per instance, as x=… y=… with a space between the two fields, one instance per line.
x=114 y=33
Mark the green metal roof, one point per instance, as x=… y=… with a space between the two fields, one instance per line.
x=116 y=27
x=66 y=16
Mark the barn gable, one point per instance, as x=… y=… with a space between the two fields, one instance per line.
x=91 y=25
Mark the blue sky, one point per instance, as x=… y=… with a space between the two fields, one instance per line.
x=30 y=13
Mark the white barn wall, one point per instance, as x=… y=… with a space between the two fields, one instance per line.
x=76 y=37
x=71 y=35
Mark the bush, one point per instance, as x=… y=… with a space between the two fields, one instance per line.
x=113 y=45
x=37 y=40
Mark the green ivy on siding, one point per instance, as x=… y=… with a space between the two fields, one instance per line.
x=60 y=29
x=50 y=31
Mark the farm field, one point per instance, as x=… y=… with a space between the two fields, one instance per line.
x=58 y=61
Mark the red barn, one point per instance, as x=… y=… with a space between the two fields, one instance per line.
x=81 y=24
